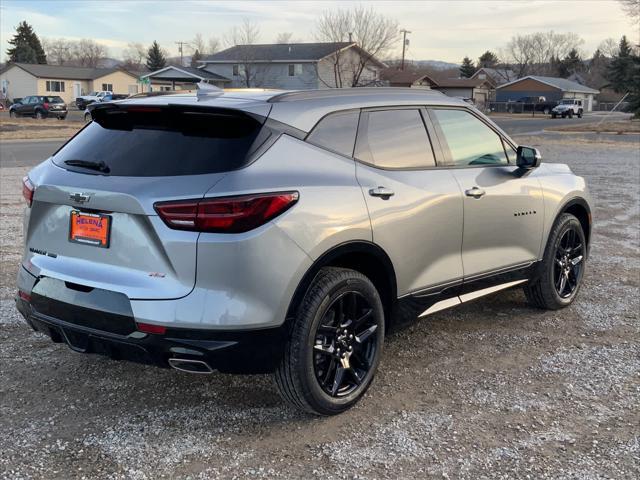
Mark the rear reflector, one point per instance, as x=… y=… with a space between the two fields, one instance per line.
x=226 y=214
x=148 y=328
x=27 y=190
x=24 y=296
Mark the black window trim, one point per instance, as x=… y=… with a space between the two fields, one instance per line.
x=448 y=161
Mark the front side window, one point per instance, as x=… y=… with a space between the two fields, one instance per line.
x=336 y=132
x=470 y=141
x=55 y=86
x=295 y=69
x=395 y=139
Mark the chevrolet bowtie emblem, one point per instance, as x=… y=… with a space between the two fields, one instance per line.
x=80 y=197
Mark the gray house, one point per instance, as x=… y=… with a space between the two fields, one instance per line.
x=295 y=66
x=552 y=88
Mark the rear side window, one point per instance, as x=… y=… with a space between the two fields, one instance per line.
x=395 y=139
x=470 y=141
x=336 y=132
x=152 y=142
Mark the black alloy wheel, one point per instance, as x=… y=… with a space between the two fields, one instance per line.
x=569 y=260
x=345 y=344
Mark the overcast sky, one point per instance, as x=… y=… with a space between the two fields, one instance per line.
x=441 y=30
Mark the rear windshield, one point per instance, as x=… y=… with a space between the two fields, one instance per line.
x=53 y=99
x=153 y=142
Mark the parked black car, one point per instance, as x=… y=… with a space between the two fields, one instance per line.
x=538 y=104
x=39 y=107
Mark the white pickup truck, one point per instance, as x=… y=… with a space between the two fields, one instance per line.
x=568 y=107
x=84 y=100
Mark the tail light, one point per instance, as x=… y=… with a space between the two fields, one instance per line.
x=27 y=190
x=45 y=105
x=225 y=214
x=149 y=328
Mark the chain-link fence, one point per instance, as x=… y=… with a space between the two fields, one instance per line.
x=532 y=109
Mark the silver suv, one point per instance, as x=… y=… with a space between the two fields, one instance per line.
x=288 y=232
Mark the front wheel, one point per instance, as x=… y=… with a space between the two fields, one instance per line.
x=335 y=344
x=12 y=114
x=562 y=267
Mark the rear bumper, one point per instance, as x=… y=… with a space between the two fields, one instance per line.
x=255 y=351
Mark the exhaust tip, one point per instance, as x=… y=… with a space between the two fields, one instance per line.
x=190 y=366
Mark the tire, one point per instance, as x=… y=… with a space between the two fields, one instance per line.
x=309 y=371
x=12 y=114
x=39 y=115
x=579 y=113
x=570 y=113
x=553 y=115
x=546 y=111
x=62 y=117
x=543 y=292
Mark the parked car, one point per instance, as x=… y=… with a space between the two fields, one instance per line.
x=288 y=232
x=106 y=98
x=39 y=107
x=84 y=100
x=568 y=108
x=536 y=103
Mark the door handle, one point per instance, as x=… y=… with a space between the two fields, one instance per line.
x=475 y=192
x=382 y=192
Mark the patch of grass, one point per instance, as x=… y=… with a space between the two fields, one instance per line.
x=30 y=128
x=626 y=126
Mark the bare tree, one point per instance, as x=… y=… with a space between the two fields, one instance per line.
x=284 y=38
x=244 y=37
x=88 y=53
x=58 y=50
x=213 y=45
x=373 y=33
x=632 y=9
x=609 y=47
x=135 y=56
x=538 y=53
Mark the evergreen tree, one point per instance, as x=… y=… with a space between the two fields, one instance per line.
x=155 y=57
x=467 y=68
x=195 y=57
x=621 y=68
x=26 y=46
x=488 y=60
x=571 y=64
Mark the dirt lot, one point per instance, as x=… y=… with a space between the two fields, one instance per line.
x=30 y=128
x=493 y=389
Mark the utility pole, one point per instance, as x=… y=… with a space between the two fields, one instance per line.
x=350 y=37
x=404 y=45
x=180 y=46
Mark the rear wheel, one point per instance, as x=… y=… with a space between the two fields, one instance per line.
x=562 y=267
x=579 y=113
x=570 y=113
x=553 y=115
x=39 y=115
x=335 y=344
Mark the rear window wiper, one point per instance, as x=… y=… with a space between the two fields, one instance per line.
x=99 y=166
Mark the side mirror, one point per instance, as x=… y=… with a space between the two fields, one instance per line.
x=528 y=158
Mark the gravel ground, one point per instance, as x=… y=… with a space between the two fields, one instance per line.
x=493 y=389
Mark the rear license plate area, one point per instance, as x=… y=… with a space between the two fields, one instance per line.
x=92 y=229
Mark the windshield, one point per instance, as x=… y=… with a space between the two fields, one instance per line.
x=152 y=142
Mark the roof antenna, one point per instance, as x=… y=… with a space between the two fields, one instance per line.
x=206 y=90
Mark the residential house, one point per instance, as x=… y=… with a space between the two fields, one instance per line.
x=496 y=76
x=19 y=80
x=295 y=66
x=552 y=88
x=176 y=77
x=476 y=89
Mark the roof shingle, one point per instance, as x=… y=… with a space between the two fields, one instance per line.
x=308 y=52
x=63 y=72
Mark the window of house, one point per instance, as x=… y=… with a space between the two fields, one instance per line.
x=336 y=132
x=55 y=86
x=395 y=139
x=295 y=69
x=470 y=141
x=107 y=87
x=236 y=70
